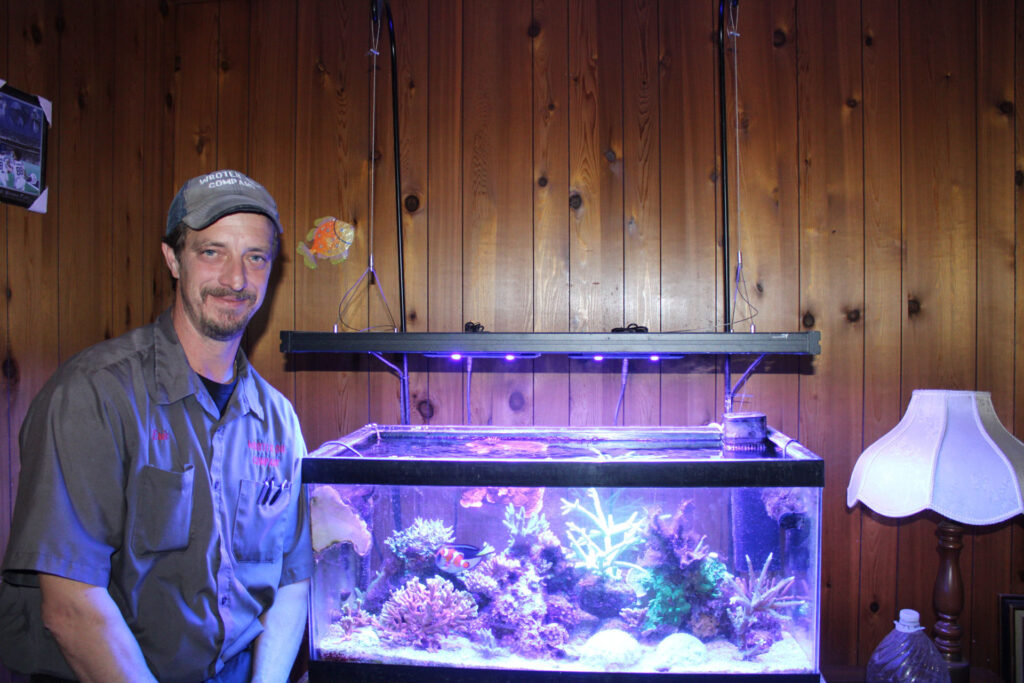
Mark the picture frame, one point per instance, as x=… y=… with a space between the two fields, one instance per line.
x=25 y=122
x=1011 y=637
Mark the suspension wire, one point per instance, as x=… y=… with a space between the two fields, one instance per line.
x=740 y=291
x=622 y=393
x=369 y=273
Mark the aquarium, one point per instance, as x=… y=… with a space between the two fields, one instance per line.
x=495 y=553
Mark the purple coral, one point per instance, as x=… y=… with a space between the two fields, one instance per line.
x=757 y=608
x=421 y=614
x=673 y=540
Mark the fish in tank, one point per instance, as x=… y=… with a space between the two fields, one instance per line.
x=654 y=551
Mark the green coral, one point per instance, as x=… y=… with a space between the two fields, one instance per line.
x=599 y=547
x=707 y=579
x=667 y=602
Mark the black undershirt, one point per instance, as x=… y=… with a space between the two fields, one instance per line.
x=220 y=393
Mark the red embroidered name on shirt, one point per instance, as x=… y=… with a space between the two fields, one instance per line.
x=160 y=435
x=263 y=453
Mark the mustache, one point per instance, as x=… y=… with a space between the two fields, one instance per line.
x=228 y=292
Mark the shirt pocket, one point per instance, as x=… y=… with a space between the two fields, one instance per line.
x=163 y=516
x=258 y=534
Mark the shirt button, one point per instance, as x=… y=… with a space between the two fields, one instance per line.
x=224 y=601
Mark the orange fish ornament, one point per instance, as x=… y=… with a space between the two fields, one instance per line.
x=329 y=239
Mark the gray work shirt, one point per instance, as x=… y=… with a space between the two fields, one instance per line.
x=132 y=480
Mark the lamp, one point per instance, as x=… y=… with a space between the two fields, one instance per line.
x=949 y=454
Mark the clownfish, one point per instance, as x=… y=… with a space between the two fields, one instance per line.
x=456 y=559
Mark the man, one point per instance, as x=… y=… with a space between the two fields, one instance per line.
x=159 y=532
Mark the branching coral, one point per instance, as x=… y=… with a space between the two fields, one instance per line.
x=524 y=529
x=598 y=548
x=416 y=544
x=421 y=614
x=754 y=608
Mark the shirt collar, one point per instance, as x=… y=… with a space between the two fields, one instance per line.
x=174 y=378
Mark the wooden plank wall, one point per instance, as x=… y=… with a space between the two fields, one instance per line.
x=560 y=172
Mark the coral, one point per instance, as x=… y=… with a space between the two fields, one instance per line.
x=332 y=520
x=754 y=608
x=598 y=548
x=421 y=614
x=672 y=539
x=667 y=602
x=416 y=544
x=709 y=620
x=524 y=529
x=541 y=640
x=561 y=611
x=706 y=579
x=604 y=597
x=530 y=499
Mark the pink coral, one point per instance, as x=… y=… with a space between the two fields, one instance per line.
x=421 y=614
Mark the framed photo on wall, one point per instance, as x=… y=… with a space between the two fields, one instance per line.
x=24 y=123
x=1011 y=637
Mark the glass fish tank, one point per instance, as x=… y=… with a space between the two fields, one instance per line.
x=500 y=553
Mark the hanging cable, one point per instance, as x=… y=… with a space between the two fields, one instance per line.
x=370 y=273
x=740 y=292
x=622 y=393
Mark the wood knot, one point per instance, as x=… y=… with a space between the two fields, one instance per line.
x=163 y=8
x=412 y=203
x=808 y=320
x=551 y=106
x=853 y=315
x=169 y=101
x=609 y=154
x=852 y=103
x=874 y=607
x=411 y=316
x=83 y=98
x=913 y=306
x=516 y=401
x=1018 y=178
x=9 y=368
x=779 y=37
x=542 y=181
x=36 y=33
x=575 y=201
x=425 y=408
x=533 y=30
x=1006 y=107
x=869 y=40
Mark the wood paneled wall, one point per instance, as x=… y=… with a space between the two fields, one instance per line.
x=560 y=172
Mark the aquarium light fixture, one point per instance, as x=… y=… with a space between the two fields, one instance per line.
x=652 y=357
x=459 y=355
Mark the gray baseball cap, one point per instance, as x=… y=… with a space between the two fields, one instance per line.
x=206 y=199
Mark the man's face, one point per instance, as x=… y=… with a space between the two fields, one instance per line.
x=222 y=273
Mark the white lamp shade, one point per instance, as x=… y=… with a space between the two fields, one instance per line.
x=949 y=454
